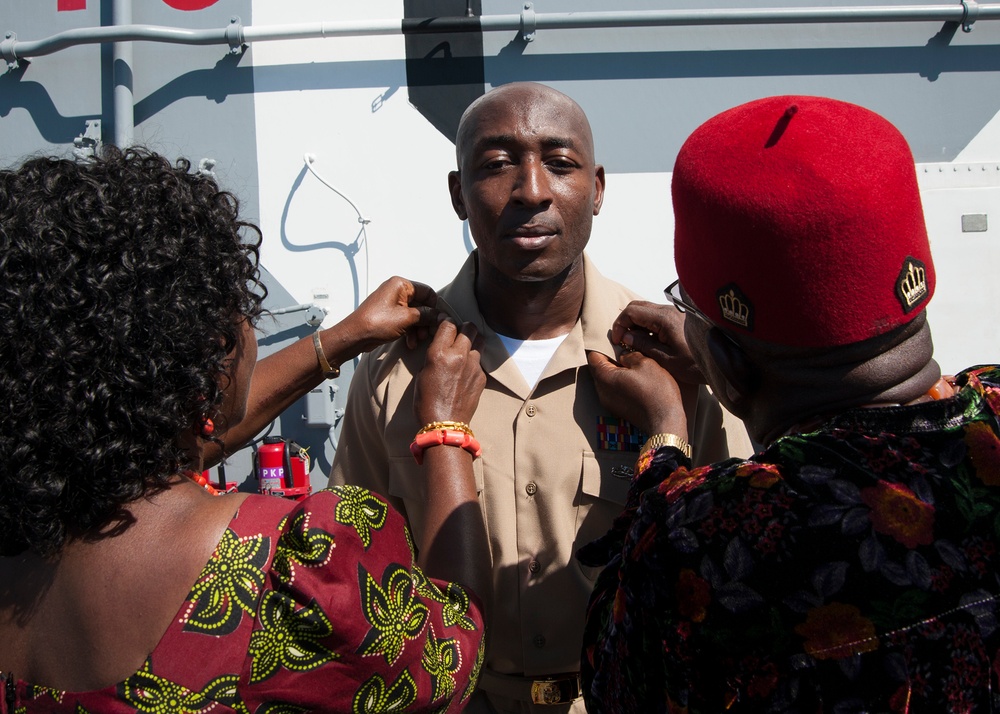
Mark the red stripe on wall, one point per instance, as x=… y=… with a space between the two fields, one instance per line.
x=189 y=5
x=71 y=5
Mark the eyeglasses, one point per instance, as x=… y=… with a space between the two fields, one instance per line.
x=673 y=295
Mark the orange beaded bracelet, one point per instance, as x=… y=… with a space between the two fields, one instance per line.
x=445 y=437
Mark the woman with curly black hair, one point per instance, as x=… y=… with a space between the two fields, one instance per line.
x=128 y=292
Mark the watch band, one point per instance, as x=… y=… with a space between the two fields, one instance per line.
x=657 y=440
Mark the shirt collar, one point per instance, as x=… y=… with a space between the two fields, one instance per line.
x=591 y=332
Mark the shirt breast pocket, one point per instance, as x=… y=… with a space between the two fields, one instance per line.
x=605 y=478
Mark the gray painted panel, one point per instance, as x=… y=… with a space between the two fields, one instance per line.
x=45 y=103
x=190 y=101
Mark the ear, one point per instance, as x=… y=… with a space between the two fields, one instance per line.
x=598 y=188
x=741 y=374
x=455 y=189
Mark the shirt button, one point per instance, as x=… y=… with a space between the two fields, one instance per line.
x=531 y=488
x=534 y=566
x=539 y=641
x=531 y=410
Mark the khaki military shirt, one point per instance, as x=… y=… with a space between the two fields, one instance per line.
x=552 y=476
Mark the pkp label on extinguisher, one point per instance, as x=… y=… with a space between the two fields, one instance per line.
x=271 y=478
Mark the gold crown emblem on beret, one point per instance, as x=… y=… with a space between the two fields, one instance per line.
x=734 y=308
x=911 y=285
x=914 y=284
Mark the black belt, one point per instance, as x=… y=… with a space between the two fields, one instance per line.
x=548 y=689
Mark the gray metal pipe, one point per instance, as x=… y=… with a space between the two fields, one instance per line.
x=99 y=35
x=762 y=16
x=528 y=21
x=122 y=98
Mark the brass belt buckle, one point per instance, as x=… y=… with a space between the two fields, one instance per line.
x=545 y=691
x=555 y=691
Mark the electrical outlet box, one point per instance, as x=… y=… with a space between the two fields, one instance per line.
x=320 y=412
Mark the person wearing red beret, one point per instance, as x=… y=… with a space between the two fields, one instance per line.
x=851 y=564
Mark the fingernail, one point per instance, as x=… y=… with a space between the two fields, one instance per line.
x=628 y=339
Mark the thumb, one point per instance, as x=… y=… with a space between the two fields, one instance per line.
x=601 y=366
x=422 y=295
x=426 y=315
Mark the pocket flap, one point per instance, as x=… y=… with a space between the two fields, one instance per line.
x=607 y=476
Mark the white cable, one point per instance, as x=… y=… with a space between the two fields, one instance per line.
x=309 y=160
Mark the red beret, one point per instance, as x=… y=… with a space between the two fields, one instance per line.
x=798 y=222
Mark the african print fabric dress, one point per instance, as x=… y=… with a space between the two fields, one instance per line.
x=317 y=606
x=853 y=569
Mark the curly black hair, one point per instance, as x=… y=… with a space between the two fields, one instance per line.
x=124 y=283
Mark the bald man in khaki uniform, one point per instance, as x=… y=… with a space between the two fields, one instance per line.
x=556 y=465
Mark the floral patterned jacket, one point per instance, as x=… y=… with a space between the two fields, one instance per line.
x=310 y=607
x=854 y=569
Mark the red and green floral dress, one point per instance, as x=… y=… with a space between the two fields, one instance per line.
x=854 y=569
x=310 y=607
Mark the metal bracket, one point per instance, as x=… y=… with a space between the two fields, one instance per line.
x=7 y=50
x=528 y=22
x=87 y=144
x=970 y=11
x=234 y=36
x=315 y=315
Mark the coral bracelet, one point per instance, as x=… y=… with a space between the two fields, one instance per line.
x=446 y=437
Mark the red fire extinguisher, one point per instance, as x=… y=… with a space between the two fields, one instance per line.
x=283 y=468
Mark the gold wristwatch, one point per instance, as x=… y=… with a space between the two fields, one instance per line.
x=666 y=440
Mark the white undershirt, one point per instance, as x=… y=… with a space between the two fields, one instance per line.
x=531 y=356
